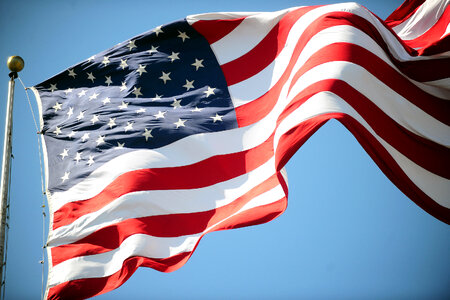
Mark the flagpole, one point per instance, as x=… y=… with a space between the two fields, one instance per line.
x=15 y=64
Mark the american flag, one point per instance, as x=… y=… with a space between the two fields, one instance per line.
x=185 y=129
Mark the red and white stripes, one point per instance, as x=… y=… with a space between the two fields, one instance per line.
x=425 y=27
x=288 y=73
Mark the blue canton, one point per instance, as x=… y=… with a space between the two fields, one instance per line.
x=145 y=93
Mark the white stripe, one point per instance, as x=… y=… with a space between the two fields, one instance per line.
x=436 y=187
x=191 y=19
x=447 y=31
x=422 y=20
x=269 y=76
x=152 y=203
x=443 y=85
x=108 y=263
x=233 y=41
x=246 y=35
x=105 y=264
x=259 y=25
x=394 y=105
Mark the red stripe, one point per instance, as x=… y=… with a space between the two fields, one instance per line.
x=437 y=47
x=432 y=35
x=420 y=70
x=265 y=52
x=256 y=110
x=427 y=154
x=295 y=137
x=402 y=13
x=291 y=141
x=172 y=225
x=214 y=30
x=89 y=287
x=391 y=169
x=430 y=104
x=206 y=174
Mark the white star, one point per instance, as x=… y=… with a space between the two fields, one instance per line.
x=91 y=160
x=94 y=119
x=82 y=93
x=123 y=105
x=105 y=60
x=137 y=92
x=123 y=64
x=157 y=30
x=189 y=85
x=141 y=69
x=209 y=92
x=72 y=73
x=123 y=87
x=53 y=87
x=183 y=35
x=157 y=97
x=69 y=90
x=160 y=115
x=65 y=177
x=180 y=123
x=57 y=131
x=147 y=134
x=100 y=140
x=108 y=80
x=85 y=137
x=217 y=117
x=165 y=77
x=64 y=153
x=176 y=103
x=57 y=106
x=77 y=157
x=196 y=109
x=106 y=100
x=91 y=58
x=198 y=64
x=119 y=145
x=153 y=50
x=70 y=112
x=174 y=56
x=131 y=45
x=91 y=76
x=140 y=111
x=129 y=126
x=71 y=134
x=112 y=122
x=93 y=96
x=80 y=115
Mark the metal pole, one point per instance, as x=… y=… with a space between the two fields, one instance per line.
x=15 y=64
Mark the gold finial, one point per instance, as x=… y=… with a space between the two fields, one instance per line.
x=15 y=63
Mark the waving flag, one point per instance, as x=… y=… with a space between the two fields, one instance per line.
x=185 y=129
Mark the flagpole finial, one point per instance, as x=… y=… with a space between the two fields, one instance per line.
x=15 y=64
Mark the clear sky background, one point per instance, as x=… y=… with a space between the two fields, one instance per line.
x=348 y=232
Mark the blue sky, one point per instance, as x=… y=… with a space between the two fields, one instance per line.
x=347 y=233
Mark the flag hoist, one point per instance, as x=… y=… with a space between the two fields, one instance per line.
x=15 y=64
